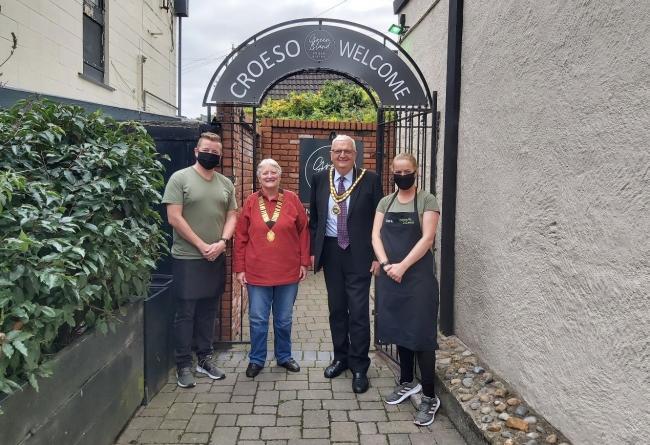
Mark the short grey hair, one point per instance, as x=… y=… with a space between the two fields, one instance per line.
x=345 y=137
x=268 y=162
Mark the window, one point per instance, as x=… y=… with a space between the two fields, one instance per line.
x=93 y=35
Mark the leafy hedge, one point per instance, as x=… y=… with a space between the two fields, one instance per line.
x=78 y=232
x=336 y=101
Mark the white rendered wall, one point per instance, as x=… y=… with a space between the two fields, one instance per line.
x=553 y=214
x=50 y=51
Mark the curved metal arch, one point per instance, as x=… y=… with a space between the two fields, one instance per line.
x=354 y=26
x=338 y=73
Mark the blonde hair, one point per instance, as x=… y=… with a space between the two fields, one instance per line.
x=268 y=162
x=210 y=136
x=407 y=157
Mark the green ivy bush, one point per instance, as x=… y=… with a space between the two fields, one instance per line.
x=79 y=235
x=337 y=100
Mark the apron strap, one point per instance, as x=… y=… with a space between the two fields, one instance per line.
x=415 y=204
x=390 y=203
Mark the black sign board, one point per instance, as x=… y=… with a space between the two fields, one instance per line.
x=255 y=66
x=314 y=158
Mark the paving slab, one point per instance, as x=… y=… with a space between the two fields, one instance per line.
x=283 y=408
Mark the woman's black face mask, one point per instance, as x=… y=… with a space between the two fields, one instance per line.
x=208 y=160
x=404 y=182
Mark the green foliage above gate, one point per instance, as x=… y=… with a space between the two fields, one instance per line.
x=336 y=101
x=78 y=232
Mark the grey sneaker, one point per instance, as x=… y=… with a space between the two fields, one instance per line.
x=184 y=377
x=207 y=367
x=427 y=411
x=402 y=392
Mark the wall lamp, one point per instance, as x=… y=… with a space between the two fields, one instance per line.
x=401 y=28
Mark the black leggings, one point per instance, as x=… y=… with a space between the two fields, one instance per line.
x=427 y=362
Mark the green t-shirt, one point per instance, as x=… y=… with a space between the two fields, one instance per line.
x=205 y=206
x=426 y=203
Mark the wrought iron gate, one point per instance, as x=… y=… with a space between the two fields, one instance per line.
x=406 y=130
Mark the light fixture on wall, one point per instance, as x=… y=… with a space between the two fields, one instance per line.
x=401 y=28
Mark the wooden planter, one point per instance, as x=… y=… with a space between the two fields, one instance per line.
x=96 y=387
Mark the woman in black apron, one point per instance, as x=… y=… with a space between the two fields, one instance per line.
x=407 y=289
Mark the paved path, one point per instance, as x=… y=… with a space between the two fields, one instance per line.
x=278 y=407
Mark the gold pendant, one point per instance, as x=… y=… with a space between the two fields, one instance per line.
x=336 y=209
x=270 y=236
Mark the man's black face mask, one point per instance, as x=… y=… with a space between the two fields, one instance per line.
x=208 y=160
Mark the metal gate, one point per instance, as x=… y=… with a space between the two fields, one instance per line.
x=406 y=130
x=239 y=141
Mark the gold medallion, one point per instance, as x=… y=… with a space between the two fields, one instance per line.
x=270 y=222
x=336 y=209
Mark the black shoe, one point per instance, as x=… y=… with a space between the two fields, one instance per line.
x=291 y=365
x=335 y=369
x=359 y=382
x=253 y=369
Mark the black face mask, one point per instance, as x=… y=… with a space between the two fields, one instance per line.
x=404 y=182
x=208 y=160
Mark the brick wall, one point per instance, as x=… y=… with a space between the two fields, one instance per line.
x=280 y=140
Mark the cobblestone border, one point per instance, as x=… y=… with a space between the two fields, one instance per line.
x=483 y=406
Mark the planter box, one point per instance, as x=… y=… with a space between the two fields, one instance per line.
x=158 y=347
x=96 y=387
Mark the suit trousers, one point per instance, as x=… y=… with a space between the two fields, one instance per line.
x=348 y=290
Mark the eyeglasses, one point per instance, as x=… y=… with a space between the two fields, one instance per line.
x=342 y=152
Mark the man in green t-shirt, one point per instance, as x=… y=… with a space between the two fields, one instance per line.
x=201 y=208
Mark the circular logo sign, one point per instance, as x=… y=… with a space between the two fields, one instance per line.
x=319 y=45
x=317 y=161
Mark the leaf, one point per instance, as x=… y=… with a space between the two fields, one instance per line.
x=20 y=346
x=7 y=350
x=32 y=381
x=78 y=250
x=108 y=230
x=69 y=176
x=48 y=311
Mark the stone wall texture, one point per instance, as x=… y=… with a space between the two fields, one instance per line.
x=552 y=251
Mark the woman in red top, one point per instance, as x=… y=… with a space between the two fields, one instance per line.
x=271 y=257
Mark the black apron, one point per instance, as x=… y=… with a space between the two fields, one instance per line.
x=200 y=278
x=407 y=312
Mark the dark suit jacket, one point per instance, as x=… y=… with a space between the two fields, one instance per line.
x=361 y=213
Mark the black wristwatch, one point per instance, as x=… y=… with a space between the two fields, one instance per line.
x=384 y=264
x=225 y=240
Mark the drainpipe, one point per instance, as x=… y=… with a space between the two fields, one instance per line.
x=180 y=47
x=450 y=167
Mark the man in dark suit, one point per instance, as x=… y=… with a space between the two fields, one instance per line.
x=341 y=212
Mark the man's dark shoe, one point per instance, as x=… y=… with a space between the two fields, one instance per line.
x=253 y=369
x=291 y=365
x=335 y=369
x=359 y=382
x=184 y=377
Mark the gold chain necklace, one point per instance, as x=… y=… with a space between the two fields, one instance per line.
x=336 y=209
x=270 y=222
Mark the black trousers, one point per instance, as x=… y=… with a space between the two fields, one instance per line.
x=194 y=320
x=347 y=297
x=427 y=362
